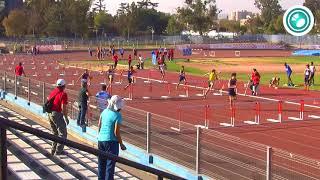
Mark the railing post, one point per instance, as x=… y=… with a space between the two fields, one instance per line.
x=148 y=132
x=269 y=163
x=29 y=91
x=43 y=92
x=3 y=153
x=15 y=87
x=198 y=150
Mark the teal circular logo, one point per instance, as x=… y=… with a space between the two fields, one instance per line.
x=298 y=20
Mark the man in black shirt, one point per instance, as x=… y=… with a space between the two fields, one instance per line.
x=83 y=104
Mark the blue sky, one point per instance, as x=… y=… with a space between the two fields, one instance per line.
x=227 y=6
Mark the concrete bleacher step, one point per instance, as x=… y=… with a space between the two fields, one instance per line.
x=80 y=164
x=39 y=162
x=18 y=169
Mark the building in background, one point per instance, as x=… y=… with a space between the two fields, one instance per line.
x=222 y=16
x=239 y=15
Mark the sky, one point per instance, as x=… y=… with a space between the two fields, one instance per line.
x=226 y=6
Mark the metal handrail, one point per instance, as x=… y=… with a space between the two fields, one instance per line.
x=6 y=124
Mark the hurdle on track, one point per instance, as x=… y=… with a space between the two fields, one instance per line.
x=301 y=113
x=179 y=112
x=167 y=89
x=186 y=91
x=232 y=118
x=256 y=117
x=279 y=120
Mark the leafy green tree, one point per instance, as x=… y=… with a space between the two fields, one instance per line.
x=313 y=5
x=174 y=26
x=103 y=22
x=269 y=9
x=254 y=25
x=16 y=24
x=198 y=15
x=36 y=10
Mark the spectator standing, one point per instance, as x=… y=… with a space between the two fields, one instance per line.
x=90 y=52
x=135 y=53
x=19 y=70
x=141 y=62
x=121 y=52
x=83 y=105
x=102 y=98
x=109 y=137
x=58 y=118
x=307 y=77
x=312 y=71
x=129 y=61
x=289 y=73
x=255 y=77
x=115 y=60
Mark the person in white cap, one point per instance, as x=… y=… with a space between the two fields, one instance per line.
x=59 y=110
x=109 y=137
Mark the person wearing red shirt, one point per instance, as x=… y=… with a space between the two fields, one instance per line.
x=115 y=59
x=129 y=61
x=255 y=77
x=19 y=71
x=58 y=118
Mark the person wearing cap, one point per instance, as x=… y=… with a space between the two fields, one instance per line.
x=109 y=137
x=83 y=104
x=58 y=118
x=102 y=98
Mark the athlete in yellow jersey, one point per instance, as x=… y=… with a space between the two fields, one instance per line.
x=212 y=78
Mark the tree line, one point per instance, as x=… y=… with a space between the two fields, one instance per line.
x=88 y=18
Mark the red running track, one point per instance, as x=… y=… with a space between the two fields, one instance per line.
x=301 y=137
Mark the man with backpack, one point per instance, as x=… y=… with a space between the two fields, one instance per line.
x=56 y=107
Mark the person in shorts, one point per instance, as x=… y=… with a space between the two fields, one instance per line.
x=121 y=52
x=141 y=62
x=162 y=71
x=182 y=77
x=255 y=78
x=307 y=77
x=135 y=53
x=212 y=78
x=129 y=61
x=289 y=73
x=115 y=60
x=232 y=86
x=130 y=77
x=85 y=76
x=110 y=75
x=274 y=82
x=312 y=71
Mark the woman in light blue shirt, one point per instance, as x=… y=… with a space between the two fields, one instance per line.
x=109 y=137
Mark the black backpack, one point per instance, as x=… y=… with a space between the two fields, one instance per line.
x=47 y=107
